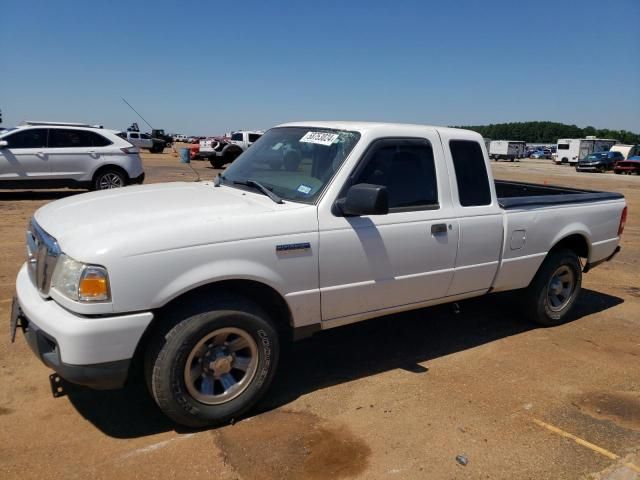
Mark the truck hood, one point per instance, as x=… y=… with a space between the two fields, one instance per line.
x=151 y=218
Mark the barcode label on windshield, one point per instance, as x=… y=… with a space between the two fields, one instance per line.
x=321 y=138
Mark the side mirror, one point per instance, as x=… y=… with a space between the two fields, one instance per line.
x=364 y=199
x=4 y=144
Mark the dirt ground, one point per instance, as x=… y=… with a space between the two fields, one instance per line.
x=397 y=397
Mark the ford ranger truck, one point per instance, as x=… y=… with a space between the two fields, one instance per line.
x=317 y=225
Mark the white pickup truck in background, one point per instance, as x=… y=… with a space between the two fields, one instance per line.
x=223 y=150
x=143 y=141
x=318 y=225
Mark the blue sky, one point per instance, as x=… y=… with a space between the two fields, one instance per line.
x=205 y=67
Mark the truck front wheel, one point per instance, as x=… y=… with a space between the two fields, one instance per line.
x=554 y=289
x=212 y=364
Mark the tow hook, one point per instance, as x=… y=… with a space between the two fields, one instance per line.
x=59 y=386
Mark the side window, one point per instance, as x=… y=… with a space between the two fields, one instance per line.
x=408 y=171
x=236 y=137
x=62 y=138
x=471 y=173
x=253 y=137
x=134 y=135
x=32 y=138
x=145 y=136
x=98 y=140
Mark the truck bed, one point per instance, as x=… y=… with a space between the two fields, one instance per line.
x=520 y=194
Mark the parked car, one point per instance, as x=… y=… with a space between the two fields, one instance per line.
x=599 y=162
x=143 y=141
x=546 y=153
x=194 y=152
x=318 y=225
x=223 y=150
x=54 y=155
x=628 y=166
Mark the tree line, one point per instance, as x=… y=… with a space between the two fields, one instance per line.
x=548 y=132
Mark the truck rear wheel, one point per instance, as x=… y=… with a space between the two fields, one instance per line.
x=212 y=363
x=554 y=289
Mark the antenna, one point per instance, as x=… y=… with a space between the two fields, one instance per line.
x=137 y=113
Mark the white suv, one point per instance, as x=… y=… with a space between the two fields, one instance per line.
x=53 y=155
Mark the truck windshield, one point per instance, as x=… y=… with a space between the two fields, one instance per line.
x=295 y=163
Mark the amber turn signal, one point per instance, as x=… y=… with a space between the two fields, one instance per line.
x=94 y=285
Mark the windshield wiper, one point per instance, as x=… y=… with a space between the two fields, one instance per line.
x=259 y=186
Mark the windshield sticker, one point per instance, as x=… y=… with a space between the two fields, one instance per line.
x=320 y=138
x=304 y=189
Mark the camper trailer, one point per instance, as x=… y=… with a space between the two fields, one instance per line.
x=570 y=150
x=506 y=149
x=627 y=151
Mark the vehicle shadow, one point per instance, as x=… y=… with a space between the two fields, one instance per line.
x=37 y=194
x=344 y=354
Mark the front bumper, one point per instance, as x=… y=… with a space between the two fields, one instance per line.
x=91 y=351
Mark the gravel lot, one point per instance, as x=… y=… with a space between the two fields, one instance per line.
x=397 y=397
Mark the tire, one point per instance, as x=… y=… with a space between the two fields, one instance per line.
x=109 y=178
x=554 y=289
x=216 y=162
x=182 y=393
x=229 y=157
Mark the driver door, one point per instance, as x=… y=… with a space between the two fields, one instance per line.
x=379 y=262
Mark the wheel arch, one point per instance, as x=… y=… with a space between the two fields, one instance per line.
x=260 y=293
x=576 y=242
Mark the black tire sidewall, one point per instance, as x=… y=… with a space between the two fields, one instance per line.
x=168 y=384
x=539 y=310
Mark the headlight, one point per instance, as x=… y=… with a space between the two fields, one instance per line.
x=80 y=282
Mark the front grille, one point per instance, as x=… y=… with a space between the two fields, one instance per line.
x=42 y=255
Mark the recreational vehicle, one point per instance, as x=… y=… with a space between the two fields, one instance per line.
x=570 y=150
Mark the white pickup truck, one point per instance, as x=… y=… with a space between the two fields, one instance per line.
x=223 y=150
x=317 y=225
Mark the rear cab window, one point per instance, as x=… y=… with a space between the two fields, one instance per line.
x=471 y=173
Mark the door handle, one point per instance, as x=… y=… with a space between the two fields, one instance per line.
x=40 y=154
x=438 y=228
